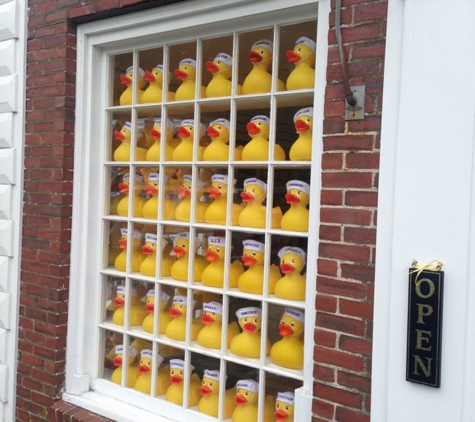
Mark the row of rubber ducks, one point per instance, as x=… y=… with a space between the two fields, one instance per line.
x=179 y=143
x=206 y=328
x=258 y=80
x=210 y=269
x=250 y=213
x=240 y=403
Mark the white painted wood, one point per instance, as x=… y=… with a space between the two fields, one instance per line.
x=6 y=237
x=8 y=20
x=3 y=383
x=7 y=166
x=426 y=205
x=5 y=300
x=8 y=88
x=7 y=57
x=5 y=202
x=4 y=273
x=3 y=346
x=6 y=130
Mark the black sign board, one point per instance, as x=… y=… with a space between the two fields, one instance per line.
x=424 y=327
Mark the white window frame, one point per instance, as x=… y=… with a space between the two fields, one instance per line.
x=139 y=30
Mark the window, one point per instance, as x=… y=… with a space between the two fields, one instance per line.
x=194 y=257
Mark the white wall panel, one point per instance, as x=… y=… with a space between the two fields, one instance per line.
x=8 y=20
x=5 y=202
x=5 y=300
x=6 y=238
x=8 y=88
x=7 y=165
x=3 y=383
x=6 y=130
x=3 y=346
x=4 y=274
x=7 y=57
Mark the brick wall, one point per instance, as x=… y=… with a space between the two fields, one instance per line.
x=346 y=258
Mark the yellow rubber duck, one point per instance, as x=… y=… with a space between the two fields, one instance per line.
x=217 y=211
x=248 y=343
x=185 y=191
x=153 y=153
x=292 y=285
x=298 y=196
x=131 y=80
x=259 y=79
x=186 y=72
x=132 y=370
x=184 y=150
x=181 y=248
x=257 y=149
x=221 y=68
x=154 y=92
x=246 y=399
x=303 y=57
x=149 y=249
x=209 y=402
x=139 y=201
x=218 y=149
x=301 y=149
x=178 y=372
x=120 y=262
x=284 y=407
x=210 y=335
x=164 y=315
x=123 y=151
x=144 y=380
x=254 y=213
x=213 y=274
x=150 y=207
x=176 y=328
x=252 y=280
x=288 y=352
x=137 y=312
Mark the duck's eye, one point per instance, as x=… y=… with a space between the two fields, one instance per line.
x=309 y=119
x=255 y=321
x=254 y=253
x=245 y=252
x=149 y=363
x=292 y=324
x=220 y=187
x=293 y=261
x=286 y=407
x=218 y=249
x=210 y=384
x=262 y=51
x=282 y=321
x=183 y=245
x=212 y=313
x=181 y=372
x=299 y=192
x=218 y=62
x=253 y=191
x=245 y=319
x=209 y=248
x=246 y=393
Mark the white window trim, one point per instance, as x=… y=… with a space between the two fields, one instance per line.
x=108 y=34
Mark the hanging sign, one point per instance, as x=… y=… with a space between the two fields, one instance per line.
x=424 y=324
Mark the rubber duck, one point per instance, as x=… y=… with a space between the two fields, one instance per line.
x=301 y=149
x=131 y=80
x=218 y=149
x=154 y=92
x=284 y=407
x=150 y=207
x=181 y=248
x=153 y=153
x=303 y=57
x=186 y=72
x=132 y=371
x=221 y=68
x=292 y=285
x=120 y=262
x=298 y=196
x=122 y=153
x=213 y=274
x=209 y=402
x=210 y=335
x=144 y=380
x=176 y=328
x=185 y=191
x=217 y=211
x=184 y=150
x=178 y=372
x=139 y=201
x=137 y=312
x=246 y=399
x=257 y=149
x=163 y=316
x=254 y=213
x=248 y=343
x=259 y=79
x=252 y=280
x=288 y=352
x=149 y=249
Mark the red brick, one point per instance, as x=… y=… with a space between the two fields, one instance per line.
x=355 y=345
x=332 y=161
x=324 y=409
x=324 y=373
x=360 y=235
x=340 y=287
x=349 y=179
x=331 y=197
x=327 y=267
x=334 y=108
x=356 y=308
x=362 y=160
x=357 y=272
x=345 y=252
x=330 y=233
x=348 y=143
x=348 y=415
x=339 y=323
x=371 y=11
x=324 y=338
x=356 y=382
x=361 y=198
x=368 y=49
x=348 y=216
x=337 y=395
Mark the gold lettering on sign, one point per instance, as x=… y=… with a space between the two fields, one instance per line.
x=431 y=288
x=422 y=311
x=421 y=338
x=418 y=363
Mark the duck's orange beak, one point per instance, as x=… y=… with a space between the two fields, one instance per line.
x=248 y=260
x=204 y=390
x=183 y=192
x=287 y=268
x=151 y=190
x=149 y=77
x=281 y=415
x=174 y=312
x=247 y=197
x=122 y=243
x=285 y=330
x=255 y=57
x=291 y=198
x=212 y=67
x=119 y=301
x=119 y=136
x=123 y=188
x=180 y=74
x=214 y=193
x=179 y=251
x=292 y=57
x=211 y=256
x=117 y=361
x=252 y=128
x=301 y=126
x=155 y=134
x=143 y=369
x=183 y=132
x=176 y=379
x=147 y=250
x=212 y=132
x=125 y=80
x=249 y=327
x=149 y=307
x=240 y=399
x=206 y=319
